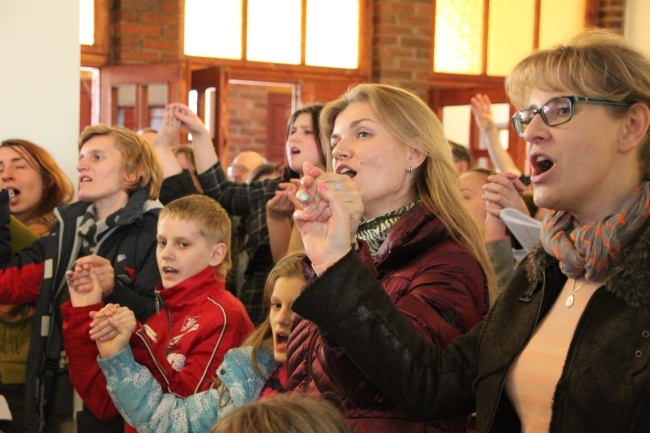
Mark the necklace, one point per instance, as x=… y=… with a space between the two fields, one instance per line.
x=569 y=300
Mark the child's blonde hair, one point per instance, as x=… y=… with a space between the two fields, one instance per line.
x=211 y=219
x=284 y=414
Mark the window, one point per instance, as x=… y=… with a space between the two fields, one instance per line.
x=468 y=40
x=93 y=32
x=292 y=32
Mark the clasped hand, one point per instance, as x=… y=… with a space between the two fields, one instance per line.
x=332 y=210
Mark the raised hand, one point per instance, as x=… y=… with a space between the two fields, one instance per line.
x=480 y=105
x=332 y=210
x=503 y=190
x=83 y=286
x=112 y=328
x=284 y=203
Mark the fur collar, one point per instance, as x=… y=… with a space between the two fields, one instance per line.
x=630 y=280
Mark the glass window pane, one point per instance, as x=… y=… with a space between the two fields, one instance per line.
x=560 y=20
x=87 y=22
x=213 y=28
x=510 y=34
x=324 y=47
x=274 y=31
x=458 y=36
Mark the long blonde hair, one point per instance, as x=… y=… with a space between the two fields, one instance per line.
x=436 y=182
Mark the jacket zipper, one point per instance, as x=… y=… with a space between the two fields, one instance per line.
x=146 y=342
x=503 y=382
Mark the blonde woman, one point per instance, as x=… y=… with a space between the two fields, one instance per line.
x=566 y=347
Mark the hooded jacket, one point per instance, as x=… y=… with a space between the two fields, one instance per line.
x=37 y=274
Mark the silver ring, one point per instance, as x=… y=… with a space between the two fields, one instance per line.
x=337 y=185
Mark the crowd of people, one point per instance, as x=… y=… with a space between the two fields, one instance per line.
x=366 y=284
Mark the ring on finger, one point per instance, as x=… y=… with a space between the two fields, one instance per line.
x=337 y=185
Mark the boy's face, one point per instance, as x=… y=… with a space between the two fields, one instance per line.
x=183 y=252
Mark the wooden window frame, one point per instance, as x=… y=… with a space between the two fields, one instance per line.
x=97 y=55
x=268 y=71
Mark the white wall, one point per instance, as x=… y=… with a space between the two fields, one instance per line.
x=39 y=76
x=637 y=31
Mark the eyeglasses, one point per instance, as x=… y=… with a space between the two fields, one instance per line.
x=557 y=111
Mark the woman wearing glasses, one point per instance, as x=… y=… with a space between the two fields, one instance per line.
x=566 y=347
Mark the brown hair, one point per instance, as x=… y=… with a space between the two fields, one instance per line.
x=436 y=183
x=211 y=219
x=314 y=111
x=138 y=155
x=284 y=414
x=596 y=63
x=261 y=338
x=57 y=188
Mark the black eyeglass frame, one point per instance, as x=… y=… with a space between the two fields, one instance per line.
x=520 y=126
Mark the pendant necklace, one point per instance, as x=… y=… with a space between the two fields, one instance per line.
x=569 y=300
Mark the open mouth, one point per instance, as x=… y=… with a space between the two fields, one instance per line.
x=169 y=271
x=84 y=179
x=348 y=172
x=281 y=340
x=13 y=195
x=294 y=151
x=540 y=164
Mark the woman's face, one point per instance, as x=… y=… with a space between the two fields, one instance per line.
x=302 y=144
x=471 y=187
x=285 y=291
x=577 y=166
x=17 y=173
x=102 y=179
x=363 y=149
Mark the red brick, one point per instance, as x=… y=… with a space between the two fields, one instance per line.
x=157 y=44
x=136 y=29
x=387 y=29
x=126 y=16
x=168 y=19
x=415 y=42
x=420 y=21
x=395 y=8
x=128 y=41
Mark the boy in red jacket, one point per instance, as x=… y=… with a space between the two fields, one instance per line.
x=197 y=319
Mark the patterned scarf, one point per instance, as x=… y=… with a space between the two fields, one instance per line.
x=594 y=249
x=91 y=230
x=375 y=231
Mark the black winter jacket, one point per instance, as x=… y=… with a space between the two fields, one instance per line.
x=37 y=274
x=605 y=384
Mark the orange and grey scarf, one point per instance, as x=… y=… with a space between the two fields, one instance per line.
x=594 y=249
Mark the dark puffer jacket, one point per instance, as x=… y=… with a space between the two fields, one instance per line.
x=435 y=283
x=605 y=384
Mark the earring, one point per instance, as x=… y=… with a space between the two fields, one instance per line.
x=410 y=170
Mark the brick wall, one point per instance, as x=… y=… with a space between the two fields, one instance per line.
x=248 y=119
x=401 y=44
x=145 y=31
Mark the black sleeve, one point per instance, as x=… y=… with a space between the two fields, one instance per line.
x=350 y=306
x=177 y=186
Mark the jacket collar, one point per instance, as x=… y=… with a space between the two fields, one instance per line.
x=135 y=208
x=412 y=234
x=629 y=280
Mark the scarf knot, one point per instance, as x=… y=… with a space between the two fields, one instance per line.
x=594 y=249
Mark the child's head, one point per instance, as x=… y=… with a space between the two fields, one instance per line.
x=284 y=414
x=283 y=285
x=193 y=234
